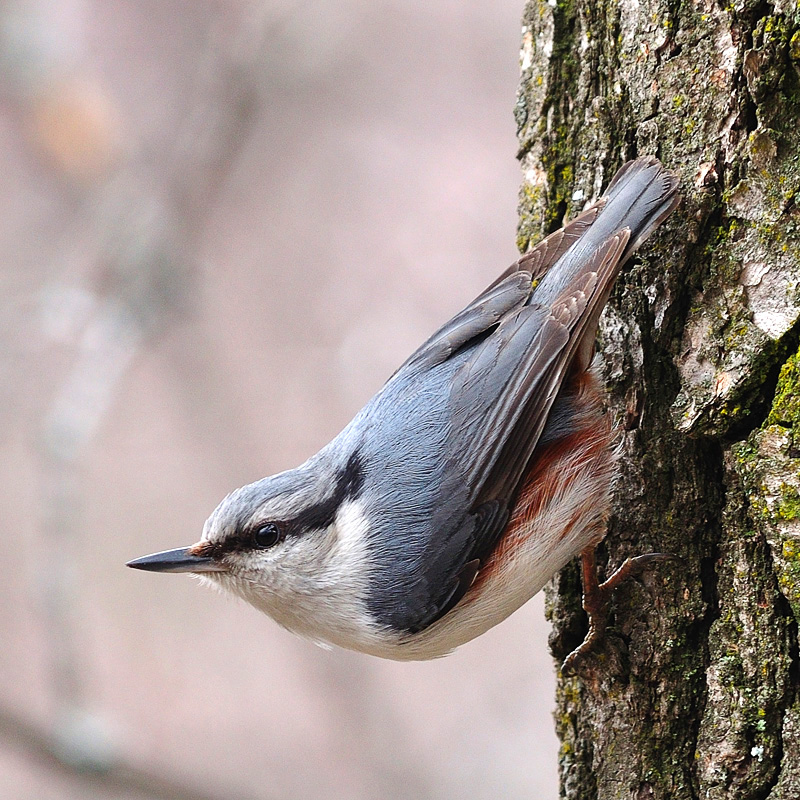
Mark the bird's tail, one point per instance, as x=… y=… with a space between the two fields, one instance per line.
x=640 y=196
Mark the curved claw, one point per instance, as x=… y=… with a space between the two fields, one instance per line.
x=597 y=598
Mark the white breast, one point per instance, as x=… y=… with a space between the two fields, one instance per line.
x=315 y=584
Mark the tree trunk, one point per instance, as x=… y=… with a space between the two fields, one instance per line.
x=694 y=693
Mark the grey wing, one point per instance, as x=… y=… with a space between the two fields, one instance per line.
x=502 y=297
x=508 y=292
x=538 y=260
x=500 y=399
x=512 y=367
x=494 y=434
x=533 y=353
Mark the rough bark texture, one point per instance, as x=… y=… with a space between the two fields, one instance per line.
x=695 y=692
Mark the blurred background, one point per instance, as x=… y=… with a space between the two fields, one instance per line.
x=222 y=226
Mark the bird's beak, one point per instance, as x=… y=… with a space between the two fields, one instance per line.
x=180 y=560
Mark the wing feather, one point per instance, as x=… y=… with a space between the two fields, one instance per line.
x=532 y=353
x=497 y=301
x=494 y=435
x=506 y=357
x=538 y=260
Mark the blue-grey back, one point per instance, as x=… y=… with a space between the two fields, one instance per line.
x=444 y=445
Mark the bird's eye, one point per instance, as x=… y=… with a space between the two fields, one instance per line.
x=265 y=536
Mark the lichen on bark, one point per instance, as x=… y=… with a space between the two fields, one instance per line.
x=695 y=692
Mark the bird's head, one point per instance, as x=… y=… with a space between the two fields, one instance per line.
x=293 y=546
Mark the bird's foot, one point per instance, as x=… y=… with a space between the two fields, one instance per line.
x=597 y=599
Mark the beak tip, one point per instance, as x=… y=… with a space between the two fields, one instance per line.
x=180 y=560
x=147 y=563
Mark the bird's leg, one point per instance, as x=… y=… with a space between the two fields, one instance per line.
x=597 y=598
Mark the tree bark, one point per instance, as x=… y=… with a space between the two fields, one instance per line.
x=694 y=693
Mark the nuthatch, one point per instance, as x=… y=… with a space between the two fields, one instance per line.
x=483 y=465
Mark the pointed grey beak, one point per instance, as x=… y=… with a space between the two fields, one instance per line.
x=180 y=560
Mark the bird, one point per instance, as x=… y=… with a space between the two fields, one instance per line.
x=482 y=466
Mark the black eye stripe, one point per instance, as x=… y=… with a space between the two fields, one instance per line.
x=348 y=486
x=245 y=540
x=318 y=516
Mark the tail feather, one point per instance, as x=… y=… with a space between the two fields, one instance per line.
x=640 y=196
x=656 y=195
